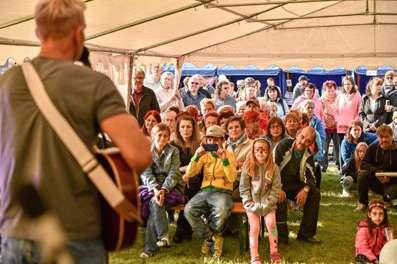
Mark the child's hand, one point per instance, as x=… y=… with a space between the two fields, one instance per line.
x=200 y=151
x=221 y=153
x=159 y=197
x=185 y=179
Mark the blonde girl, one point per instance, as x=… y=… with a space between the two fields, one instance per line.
x=260 y=185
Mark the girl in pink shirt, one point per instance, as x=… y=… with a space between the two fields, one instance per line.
x=347 y=106
x=372 y=233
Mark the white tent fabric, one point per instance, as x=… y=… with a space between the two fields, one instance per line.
x=284 y=33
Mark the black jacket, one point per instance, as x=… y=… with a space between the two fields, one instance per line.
x=283 y=154
x=377 y=159
x=369 y=117
x=147 y=102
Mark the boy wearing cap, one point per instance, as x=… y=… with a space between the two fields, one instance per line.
x=214 y=201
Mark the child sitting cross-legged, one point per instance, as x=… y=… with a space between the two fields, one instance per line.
x=260 y=185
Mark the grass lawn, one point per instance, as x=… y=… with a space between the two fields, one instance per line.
x=336 y=229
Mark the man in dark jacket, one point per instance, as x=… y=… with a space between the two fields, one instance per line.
x=297 y=175
x=381 y=156
x=143 y=99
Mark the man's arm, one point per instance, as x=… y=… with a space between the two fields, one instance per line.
x=125 y=133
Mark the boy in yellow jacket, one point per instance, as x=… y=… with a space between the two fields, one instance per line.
x=209 y=209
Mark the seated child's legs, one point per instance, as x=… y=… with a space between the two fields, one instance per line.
x=220 y=205
x=194 y=210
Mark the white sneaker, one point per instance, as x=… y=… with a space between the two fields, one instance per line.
x=346 y=194
x=164 y=242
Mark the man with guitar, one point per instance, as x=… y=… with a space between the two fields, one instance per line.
x=32 y=153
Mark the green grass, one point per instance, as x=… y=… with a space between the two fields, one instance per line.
x=336 y=229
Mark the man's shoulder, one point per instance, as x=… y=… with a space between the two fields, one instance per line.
x=148 y=91
x=285 y=143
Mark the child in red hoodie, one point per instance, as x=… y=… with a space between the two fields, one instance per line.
x=372 y=233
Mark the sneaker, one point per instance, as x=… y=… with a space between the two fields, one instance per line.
x=145 y=255
x=310 y=240
x=218 y=245
x=276 y=258
x=206 y=247
x=256 y=260
x=361 y=208
x=346 y=194
x=163 y=242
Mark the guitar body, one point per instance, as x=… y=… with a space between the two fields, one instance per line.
x=116 y=232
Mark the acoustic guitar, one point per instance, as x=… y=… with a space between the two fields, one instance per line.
x=118 y=233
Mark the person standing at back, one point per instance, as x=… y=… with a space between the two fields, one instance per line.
x=143 y=99
x=31 y=152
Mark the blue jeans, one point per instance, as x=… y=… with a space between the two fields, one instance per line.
x=208 y=211
x=157 y=225
x=21 y=251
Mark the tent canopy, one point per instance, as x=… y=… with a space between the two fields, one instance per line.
x=304 y=33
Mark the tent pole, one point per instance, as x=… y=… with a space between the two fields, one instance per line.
x=273 y=3
x=129 y=86
x=337 y=25
x=178 y=72
x=324 y=16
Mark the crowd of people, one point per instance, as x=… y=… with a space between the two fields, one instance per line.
x=201 y=146
x=236 y=144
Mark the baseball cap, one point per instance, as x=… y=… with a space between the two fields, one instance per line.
x=215 y=131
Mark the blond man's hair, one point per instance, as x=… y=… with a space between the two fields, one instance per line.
x=57 y=18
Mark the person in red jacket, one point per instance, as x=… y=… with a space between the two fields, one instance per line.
x=372 y=233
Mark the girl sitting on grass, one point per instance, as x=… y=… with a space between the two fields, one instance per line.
x=260 y=185
x=350 y=169
x=372 y=233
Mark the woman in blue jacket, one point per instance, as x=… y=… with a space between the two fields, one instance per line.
x=354 y=135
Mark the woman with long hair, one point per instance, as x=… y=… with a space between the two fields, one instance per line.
x=187 y=140
x=151 y=119
x=347 y=106
x=260 y=186
x=351 y=168
x=372 y=111
x=354 y=135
